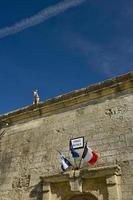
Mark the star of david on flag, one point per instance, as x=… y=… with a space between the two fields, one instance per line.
x=65 y=163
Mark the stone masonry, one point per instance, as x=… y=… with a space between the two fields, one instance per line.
x=29 y=138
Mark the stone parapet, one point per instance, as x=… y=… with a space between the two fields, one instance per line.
x=67 y=101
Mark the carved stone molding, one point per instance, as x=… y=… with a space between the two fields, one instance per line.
x=76 y=179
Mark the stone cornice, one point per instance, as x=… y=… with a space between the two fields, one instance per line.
x=87 y=173
x=109 y=87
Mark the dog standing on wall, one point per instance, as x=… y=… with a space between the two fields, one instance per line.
x=36 y=97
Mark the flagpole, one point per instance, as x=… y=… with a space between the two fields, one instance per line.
x=76 y=167
x=81 y=157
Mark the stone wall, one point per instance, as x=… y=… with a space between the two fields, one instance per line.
x=31 y=136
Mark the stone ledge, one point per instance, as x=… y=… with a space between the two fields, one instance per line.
x=76 y=180
x=77 y=97
x=84 y=174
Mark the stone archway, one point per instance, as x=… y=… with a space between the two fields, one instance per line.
x=83 y=197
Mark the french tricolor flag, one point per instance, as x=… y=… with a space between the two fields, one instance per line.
x=89 y=155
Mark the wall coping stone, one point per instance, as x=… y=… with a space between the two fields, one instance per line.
x=88 y=173
x=75 y=98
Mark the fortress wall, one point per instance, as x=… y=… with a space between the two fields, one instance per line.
x=28 y=145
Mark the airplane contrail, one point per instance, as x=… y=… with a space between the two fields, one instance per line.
x=40 y=17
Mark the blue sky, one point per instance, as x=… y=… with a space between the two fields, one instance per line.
x=63 y=51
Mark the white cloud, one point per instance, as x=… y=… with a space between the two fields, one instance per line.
x=40 y=17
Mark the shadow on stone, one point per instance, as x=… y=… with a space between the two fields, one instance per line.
x=37 y=191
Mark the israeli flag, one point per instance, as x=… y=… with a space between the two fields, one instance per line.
x=65 y=163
